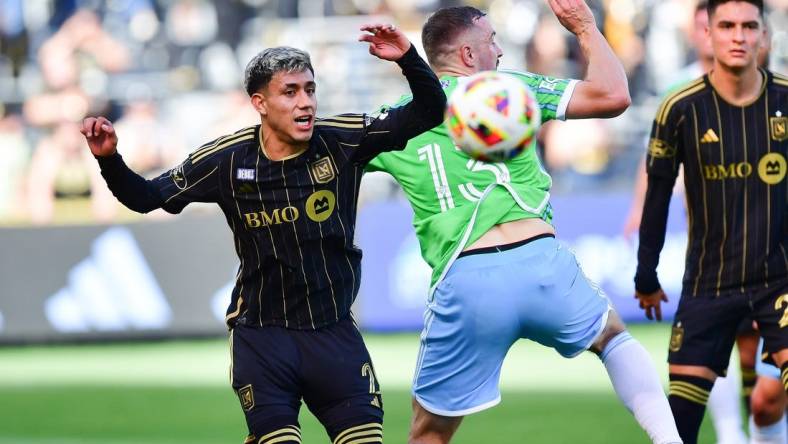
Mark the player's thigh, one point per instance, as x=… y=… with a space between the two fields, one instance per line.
x=704 y=331
x=562 y=308
x=265 y=377
x=470 y=324
x=771 y=313
x=340 y=386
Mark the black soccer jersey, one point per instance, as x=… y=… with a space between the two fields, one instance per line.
x=734 y=161
x=293 y=220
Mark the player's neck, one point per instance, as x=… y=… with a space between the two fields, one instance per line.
x=454 y=71
x=736 y=87
x=275 y=148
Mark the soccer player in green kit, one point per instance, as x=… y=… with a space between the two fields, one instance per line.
x=498 y=273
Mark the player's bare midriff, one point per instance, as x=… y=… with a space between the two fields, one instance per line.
x=511 y=232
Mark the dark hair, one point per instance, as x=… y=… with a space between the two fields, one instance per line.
x=702 y=5
x=443 y=27
x=263 y=66
x=714 y=3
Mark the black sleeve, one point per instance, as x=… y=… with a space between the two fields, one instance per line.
x=665 y=155
x=131 y=189
x=194 y=180
x=652 y=232
x=392 y=129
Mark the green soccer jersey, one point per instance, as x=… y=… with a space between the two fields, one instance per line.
x=446 y=188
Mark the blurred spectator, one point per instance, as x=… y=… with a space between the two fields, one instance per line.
x=149 y=146
x=578 y=150
x=13 y=163
x=63 y=168
x=13 y=36
x=60 y=60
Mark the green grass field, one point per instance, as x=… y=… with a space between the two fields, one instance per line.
x=178 y=393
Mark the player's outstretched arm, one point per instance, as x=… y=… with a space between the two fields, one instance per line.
x=604 y=92
x=131 y=189
x=393 y=129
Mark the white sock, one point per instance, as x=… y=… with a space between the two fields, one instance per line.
x=770 y=434
x=725 y=408
x=637 y=385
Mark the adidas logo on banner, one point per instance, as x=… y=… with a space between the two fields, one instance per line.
x=113 y=289
x=709 y=137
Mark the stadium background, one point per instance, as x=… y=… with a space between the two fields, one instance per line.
x=111 y=321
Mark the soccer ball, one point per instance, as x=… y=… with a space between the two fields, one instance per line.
x=492 y=116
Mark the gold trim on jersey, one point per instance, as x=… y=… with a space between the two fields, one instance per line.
x=237 y=241
x=354 y=121
x=693 y=87
x=705 y=206
x=276 y=256
x=339 y=213
x=724 y=201
x=311 y=202
x=341 y=125
x=346 y=118
x=745 y=213
x=230 y=339
x=237 y=310
x=220 y=143
x=768 y=204
x=779 y=79
x=300 y=253
x=784 y=377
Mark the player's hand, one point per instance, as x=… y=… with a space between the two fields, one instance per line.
x=574 y=15
x=100 y=134
x=652 y=303
x=385 y=41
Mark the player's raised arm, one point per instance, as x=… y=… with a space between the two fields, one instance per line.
x=393 y=129
x=604 y=92
x=131 y=189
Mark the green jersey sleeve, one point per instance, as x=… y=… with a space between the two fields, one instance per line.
x=553 y=94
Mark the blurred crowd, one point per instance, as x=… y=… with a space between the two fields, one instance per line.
x=169 y=73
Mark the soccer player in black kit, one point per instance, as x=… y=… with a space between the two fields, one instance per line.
x=730 y=130
x=288 y=189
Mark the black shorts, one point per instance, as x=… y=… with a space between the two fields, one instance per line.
x=273 y=368
x=705 y=327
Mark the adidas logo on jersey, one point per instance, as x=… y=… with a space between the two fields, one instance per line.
x=709 y=137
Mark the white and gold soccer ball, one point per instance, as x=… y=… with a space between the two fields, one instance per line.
x=493 y=116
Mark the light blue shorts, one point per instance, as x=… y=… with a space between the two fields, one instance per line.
x=762 y=368
x=488 y=301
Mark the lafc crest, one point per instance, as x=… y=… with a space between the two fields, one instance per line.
x=322 y=170
x=676 y=338
x=246 y=396
x=779 y=128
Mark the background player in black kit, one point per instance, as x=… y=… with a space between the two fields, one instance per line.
x=728 y=128
x=288 y=189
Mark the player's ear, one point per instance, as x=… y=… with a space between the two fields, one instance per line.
x=467 y=56
x=259 y=103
